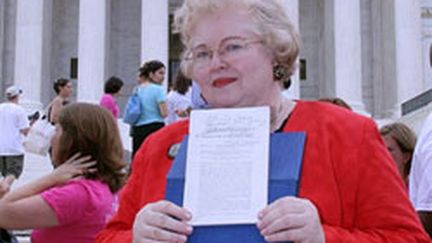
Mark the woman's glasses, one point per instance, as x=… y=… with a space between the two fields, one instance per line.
x=229 y=49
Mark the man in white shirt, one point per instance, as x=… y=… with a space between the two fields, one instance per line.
x=14 y=125
x=420 y=178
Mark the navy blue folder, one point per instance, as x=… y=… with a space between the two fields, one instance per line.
x=286 y=155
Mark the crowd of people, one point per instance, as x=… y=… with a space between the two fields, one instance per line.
x=358 y=183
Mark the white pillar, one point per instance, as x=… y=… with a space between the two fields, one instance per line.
x=92 y=49
x=292 y=8
x=154 y=32
x=2 y=37
x=398 y=74
x=343 y=52
x=409 y=70
x=32 y=55
x=426 y=13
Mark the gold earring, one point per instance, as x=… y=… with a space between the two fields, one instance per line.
x=279 y=72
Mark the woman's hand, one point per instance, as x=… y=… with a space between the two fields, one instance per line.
x=291 y=219
x=183 y=113
x=73 y=167
x=5 y=184
x=161 y=221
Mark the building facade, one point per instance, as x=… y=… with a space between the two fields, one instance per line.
x=373 y=54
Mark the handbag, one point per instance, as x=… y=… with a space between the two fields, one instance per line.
x=133 y=109
x=38 y=139
x=7 y=237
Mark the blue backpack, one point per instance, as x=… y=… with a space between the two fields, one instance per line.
x=133 y=109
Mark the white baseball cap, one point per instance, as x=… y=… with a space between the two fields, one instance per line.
x=12 y=91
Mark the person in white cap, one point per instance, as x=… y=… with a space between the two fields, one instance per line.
x=14 y=124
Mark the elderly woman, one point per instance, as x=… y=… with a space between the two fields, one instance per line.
x=239 y=52
x=72 y=203
x=400 y=141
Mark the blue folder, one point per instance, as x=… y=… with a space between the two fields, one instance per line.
x=286 y=155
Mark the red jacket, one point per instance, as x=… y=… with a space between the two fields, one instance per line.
x=347 y=173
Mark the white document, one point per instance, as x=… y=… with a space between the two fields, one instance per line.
x=227 y=165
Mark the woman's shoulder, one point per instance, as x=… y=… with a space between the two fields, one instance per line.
x=172 y=131
x=59 y=101
x=329 y=118
x=85 y=185
x=327 y=112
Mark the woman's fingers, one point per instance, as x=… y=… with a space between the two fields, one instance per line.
x=158 y=234
x=86 y=165
x=279 y=208
x=286 y=222
x=170 y=208
x=5 y=184
x=81 y=164
x=9 y=180
x=80 y=160
x=295 y=235
x=72 y=159
x=291 y=219
x=162 y=221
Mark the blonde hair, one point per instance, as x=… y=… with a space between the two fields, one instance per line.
x=270 y=18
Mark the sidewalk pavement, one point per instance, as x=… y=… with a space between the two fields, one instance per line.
x=35 y=166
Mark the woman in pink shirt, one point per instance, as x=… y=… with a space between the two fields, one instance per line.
x=72 y=203
x=112 y=88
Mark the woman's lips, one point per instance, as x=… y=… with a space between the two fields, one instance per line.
x=222 y=82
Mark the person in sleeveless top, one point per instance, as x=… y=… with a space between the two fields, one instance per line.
x=63 y=89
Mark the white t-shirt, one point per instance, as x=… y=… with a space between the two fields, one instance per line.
x=420 y=178
x=13 y=118
x=176 y=101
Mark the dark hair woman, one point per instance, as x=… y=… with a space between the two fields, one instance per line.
x=152 y=97
x=112 y=88
x=179 y=99
x=63 y=89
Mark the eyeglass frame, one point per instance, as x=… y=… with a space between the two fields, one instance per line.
x=221 y=53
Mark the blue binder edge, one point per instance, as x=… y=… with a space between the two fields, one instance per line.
x=286 y=156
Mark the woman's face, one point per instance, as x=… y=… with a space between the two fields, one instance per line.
x=239 y=70
x=398 y=155
x=55 y=143
x=66 y=90
x=158 y=76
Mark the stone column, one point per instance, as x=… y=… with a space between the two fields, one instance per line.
x=426 y=19
x=342 y=58
x=92 y=49
x=32 y=55
x=154 y=32
x=398 y=73
x=407 y=26
x=2 y=37
x=292 y=8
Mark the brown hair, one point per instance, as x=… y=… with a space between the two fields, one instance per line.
x=336 y=101
x=405 y=139
x=91 y=130
x=150 y=67
x=182 y=83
